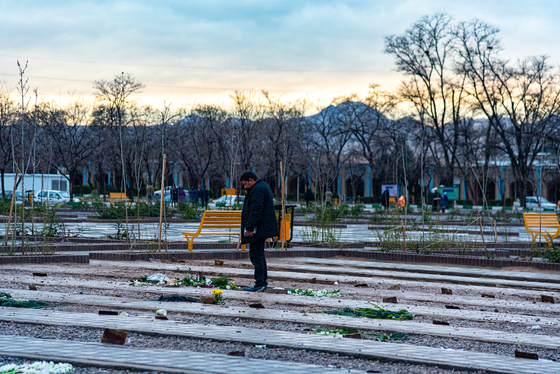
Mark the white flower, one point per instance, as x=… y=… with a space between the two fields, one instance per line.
x=39 y=367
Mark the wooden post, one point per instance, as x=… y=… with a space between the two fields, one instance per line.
x=404 y=236
x=161 y=202
x=11 y=209
x=482 y=232
x=283 y=208
x=495 y=233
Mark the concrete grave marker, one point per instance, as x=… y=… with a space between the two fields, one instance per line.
x=111 y=336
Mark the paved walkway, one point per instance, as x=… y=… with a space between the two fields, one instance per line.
x=410 y=327
x=335 y=303
x=364 y=348
x=444 y=270
x=353 y=232
x=106 y=355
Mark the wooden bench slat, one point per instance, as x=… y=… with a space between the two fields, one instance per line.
x=544 y=224
x=217 y=219
x=236 y=227
x=225 y=224
x=222 y=219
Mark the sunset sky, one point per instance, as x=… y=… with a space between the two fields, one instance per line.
x=201 y=51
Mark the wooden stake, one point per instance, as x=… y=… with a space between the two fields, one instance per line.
x=404 y=236
x=11 y=209
x=482 y=232
x=283 y=208
x=161 y=202
x=495 y=233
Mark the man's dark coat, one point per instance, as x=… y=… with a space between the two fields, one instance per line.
x=258 y=211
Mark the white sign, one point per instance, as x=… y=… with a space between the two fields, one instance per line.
x=393 y=191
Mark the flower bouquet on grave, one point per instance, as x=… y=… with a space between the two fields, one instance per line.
x=7 y=300
x=217 y=295
x=310 y=292
x=376 y=312
x=36 y=368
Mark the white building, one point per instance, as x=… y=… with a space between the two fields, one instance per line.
x=57 y=182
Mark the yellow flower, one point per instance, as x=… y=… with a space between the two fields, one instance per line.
x=217 y=292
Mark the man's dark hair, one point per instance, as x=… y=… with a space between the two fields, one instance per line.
x=248 y=175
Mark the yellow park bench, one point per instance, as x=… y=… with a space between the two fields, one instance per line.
x=545 y=224
x=118 y=196
x=218 y=220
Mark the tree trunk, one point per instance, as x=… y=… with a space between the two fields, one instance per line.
x=2 y=181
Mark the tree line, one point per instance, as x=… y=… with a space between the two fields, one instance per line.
x=461 y=110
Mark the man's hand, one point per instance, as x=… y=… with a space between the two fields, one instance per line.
x=249 y=233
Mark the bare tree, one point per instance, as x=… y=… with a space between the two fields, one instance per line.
x=424 y=53
x=71 y=136
x=521 y=101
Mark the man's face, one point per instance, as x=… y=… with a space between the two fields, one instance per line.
x=248 y=184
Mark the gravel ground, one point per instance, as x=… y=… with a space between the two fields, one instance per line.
x=110 y=274
x=414 y=339
x=138 y=293
x=210 y=346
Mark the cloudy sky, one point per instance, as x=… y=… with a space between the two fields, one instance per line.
x=201 y=51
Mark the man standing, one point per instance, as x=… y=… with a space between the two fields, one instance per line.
x=385 y=199
x=204 y=197
x=174 y=195
x=436 y=200
x=258 y=223
x=308 y=197
x=194 y=196
x=328 y=197
x=150 y=193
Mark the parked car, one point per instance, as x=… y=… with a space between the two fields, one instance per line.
x=226 y=201
x=18 y=196
x=51 y=197
x=9 y=195
x=532 y=202
x=166 y=197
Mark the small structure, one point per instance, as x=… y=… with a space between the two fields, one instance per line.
x=38 y=182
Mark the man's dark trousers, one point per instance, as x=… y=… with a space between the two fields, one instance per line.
x=256 y=253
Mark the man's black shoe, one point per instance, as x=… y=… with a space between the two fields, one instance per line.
x=255 y=289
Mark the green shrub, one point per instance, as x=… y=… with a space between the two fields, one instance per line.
x=148 y=210
x=509 y=201
x=357 y=211
x=111 y=212
x=53 y=226
x=142 y=191
x=548 y=254
x=369 y=200
x=78 y=205
x=188 y=211
x=5 y=205
x=465 y=202
x=82 y=189
x=330 y=214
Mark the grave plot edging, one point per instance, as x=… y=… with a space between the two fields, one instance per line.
x=449 y=259
x=44 y=259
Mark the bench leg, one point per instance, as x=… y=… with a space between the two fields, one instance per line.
x=190 y=241
x=243 y=246
x=534 y=237
x=549 y=239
